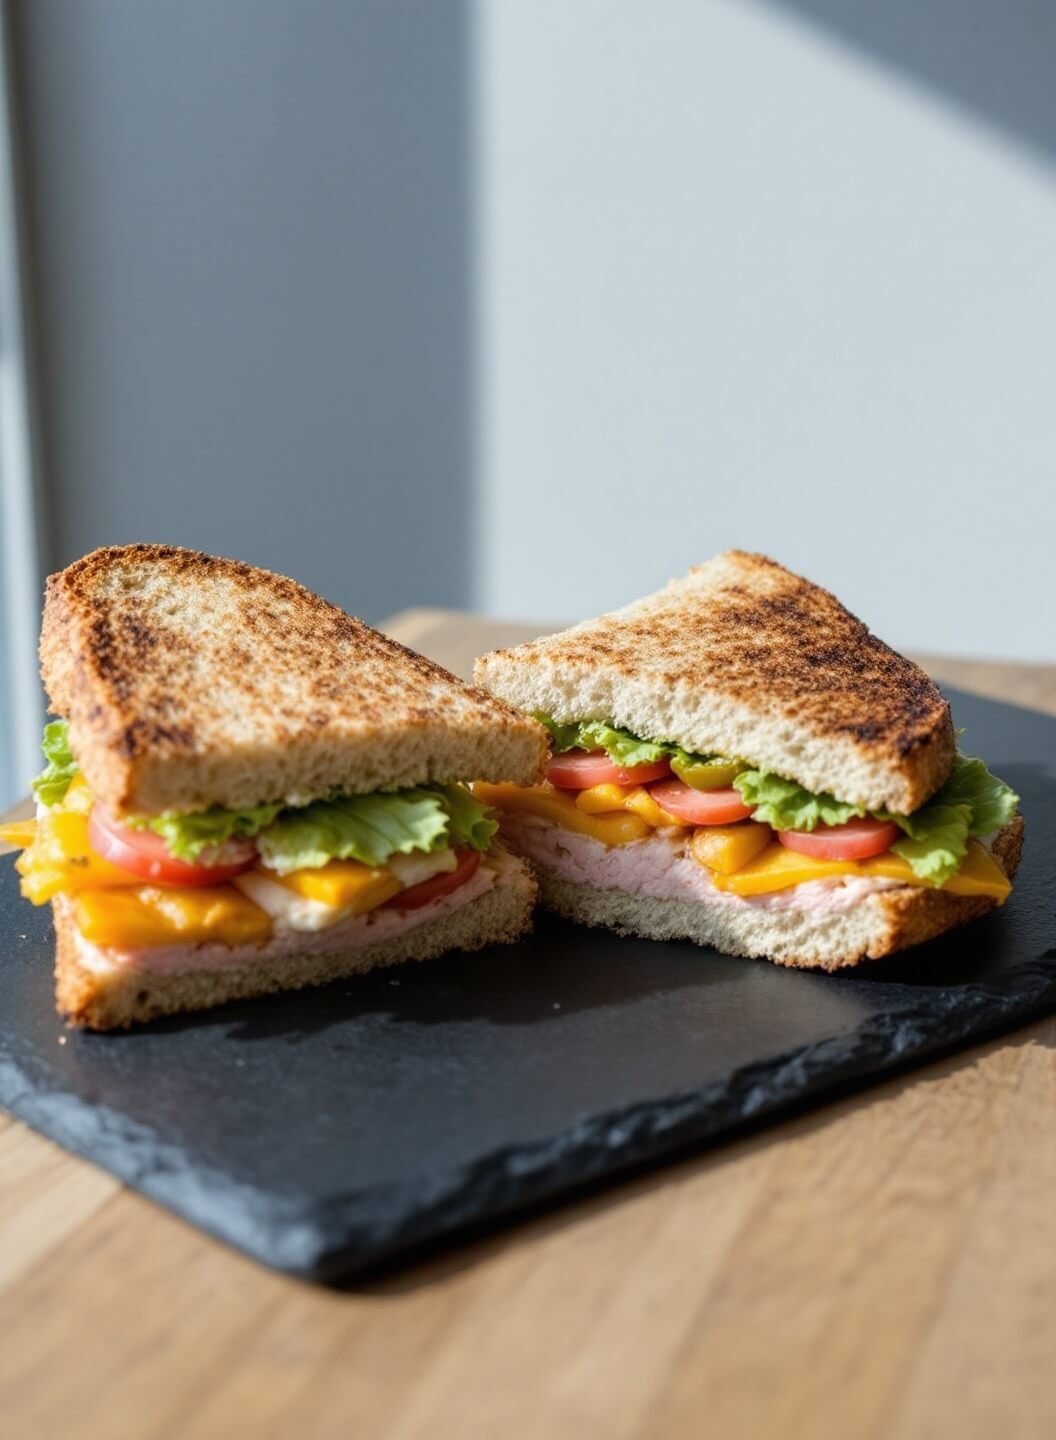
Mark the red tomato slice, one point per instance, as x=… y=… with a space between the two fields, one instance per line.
x=580 y=769
x=143 y=853
x=415 y=896
x=700 y=807
x=856 y=840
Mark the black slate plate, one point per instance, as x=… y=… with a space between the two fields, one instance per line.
x=328 y=1132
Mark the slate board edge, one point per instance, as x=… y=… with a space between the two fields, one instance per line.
x=356 y=1233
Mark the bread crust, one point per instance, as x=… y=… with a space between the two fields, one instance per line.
x=190 y=680
x=744 y=658
x=884 y=923
x=117 y=1000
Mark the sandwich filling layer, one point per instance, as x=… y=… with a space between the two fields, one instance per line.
x=353 y=867
x=647 y=817
x=662 y=867
x=344 y=936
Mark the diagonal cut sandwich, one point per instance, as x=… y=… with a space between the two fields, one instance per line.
x=740 y=762
x=251 y=791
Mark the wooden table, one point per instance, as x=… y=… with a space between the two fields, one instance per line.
x=884 y=1267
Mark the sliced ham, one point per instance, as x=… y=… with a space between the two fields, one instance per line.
x=661 y=866
x=352 y=934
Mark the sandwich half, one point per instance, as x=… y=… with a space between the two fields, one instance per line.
x=250 y=791
x=740 y=762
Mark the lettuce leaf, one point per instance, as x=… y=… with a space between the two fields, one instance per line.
x=972 y=802
x=620 y=745
x=51 y=784
x=188 y=834
x=788 y=806
x=992 y=802
x=938 y=840
x=469 y=823
x=370 y=828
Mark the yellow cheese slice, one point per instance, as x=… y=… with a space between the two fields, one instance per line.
x=342 y=884
x=778 y=868
x=60 y=859
x=152 y=915
x=728 y=848
x=78 y=799
x=618 y=828
x=19 y=833
x=605 y=799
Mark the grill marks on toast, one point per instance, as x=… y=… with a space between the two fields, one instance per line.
x=190 y=680
x=799 y=649
x=775 y=640
x=743 y=633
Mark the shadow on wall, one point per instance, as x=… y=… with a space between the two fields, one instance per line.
x=994 y=58
x=250 y=241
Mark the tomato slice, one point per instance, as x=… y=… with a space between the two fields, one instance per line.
x=141 y=852
x=700 y=807
x=415 y=896
x=855 y=840
x=582 y=769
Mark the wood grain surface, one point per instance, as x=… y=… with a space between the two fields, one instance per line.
x=884 y=1267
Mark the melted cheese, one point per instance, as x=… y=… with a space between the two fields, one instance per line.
x=288 y=910
x=549 y=804
x=343 y=885
x=19 y=833
x=729 y=848
x=605 y=799
x=318 y=898
x=150 y=915
x=58 y=858
x=778 y=868
x=78 y=799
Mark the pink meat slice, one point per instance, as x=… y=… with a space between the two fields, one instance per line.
x=352 y=934
x=660 y=866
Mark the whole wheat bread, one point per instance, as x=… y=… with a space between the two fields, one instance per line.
x=190 y=680
x=745 y=659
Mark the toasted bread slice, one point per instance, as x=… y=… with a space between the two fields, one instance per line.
x=742 y=658
x=98 y=999
x=190 y=681
x=878 y=925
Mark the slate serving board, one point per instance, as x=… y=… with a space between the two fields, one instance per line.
x=329 y=1132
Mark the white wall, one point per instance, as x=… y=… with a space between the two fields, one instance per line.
x=742 y=285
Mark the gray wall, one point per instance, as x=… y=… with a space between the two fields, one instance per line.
x=250 y=246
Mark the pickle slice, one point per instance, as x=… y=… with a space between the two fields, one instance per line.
x=715 y=774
